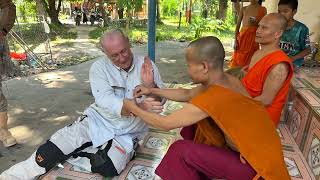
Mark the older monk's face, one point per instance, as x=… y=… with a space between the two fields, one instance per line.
x=269 y=30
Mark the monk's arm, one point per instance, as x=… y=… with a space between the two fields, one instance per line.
x=186 y=116
x=239 y=22
x=277 y=76
x=302 y=54
x=180 y=95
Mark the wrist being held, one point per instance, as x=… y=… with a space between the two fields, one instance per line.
x=2 y=34
x=150 y=85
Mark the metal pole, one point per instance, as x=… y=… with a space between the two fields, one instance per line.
x=151 y=29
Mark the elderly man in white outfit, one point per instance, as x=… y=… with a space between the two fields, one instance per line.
x=106 y=128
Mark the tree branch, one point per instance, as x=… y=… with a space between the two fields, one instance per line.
x=45 y=5
x=59 y=6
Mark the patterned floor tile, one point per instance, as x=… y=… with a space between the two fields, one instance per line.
x=140 y=170
x=312 y=147
x=297 y=166
x=310 y=96
x=314 y=81
x=298 y=118
x=70 y=172
x=156 y=144
x=285 y=136
x=298 y=83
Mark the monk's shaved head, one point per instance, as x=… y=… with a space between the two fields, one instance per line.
x=208 y=49
x=278 y=20
x=271 y=28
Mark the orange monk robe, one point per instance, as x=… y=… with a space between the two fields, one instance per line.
x=255 y=79
x=246 y=43
x=248 y=125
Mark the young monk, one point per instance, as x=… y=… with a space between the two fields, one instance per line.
x=245 y=44
x=242 y=146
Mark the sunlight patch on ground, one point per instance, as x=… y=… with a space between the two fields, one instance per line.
x=61 y=119
x=57 y=76
x=166 y=60
x=25 y=134
x=17 y=111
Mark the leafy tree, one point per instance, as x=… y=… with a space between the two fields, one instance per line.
x=53 y=8
x=25 y=9
x=170 y=7
x=130 y=6
x=158 y=13
x=222 y=11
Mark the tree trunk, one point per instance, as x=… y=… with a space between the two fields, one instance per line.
x=222 y=11
x=158 y=13
x=205 y=9
x=205 y=13
x=188 y=11
x=120 y=13
x=128 y=20
x=40 y=10
x=103 y=12
x=52 y=11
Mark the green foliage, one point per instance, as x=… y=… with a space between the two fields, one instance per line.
x=62 y=32
x=129 y=5
x=25 y=10
x=169 y=31
x=170 y=7
x=199 y=25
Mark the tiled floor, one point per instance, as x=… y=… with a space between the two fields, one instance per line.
x=296 y=163
x=304 y=119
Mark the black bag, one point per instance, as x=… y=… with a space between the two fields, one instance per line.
x=100 y=161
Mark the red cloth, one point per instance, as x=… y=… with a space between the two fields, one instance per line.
x=18 y=56
x=247 y=46
x=255 y=78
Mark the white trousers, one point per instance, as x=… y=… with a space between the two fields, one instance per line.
x=67 y=140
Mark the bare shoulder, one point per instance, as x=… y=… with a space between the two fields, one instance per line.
x=280 y=70
x=281 y=67
x=197 y=90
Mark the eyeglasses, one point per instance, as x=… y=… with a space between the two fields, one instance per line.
x=124 y=52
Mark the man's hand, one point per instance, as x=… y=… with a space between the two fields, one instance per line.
x=2 y=35
x=245 y=69
x=147 y=76
x=140 y=91
x=151 y=105
x=128 y=105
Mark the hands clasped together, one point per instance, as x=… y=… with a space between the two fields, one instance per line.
x=148 y=103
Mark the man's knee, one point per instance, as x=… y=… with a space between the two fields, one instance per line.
x=49 y=155
x=180 y=147
x=180 y=144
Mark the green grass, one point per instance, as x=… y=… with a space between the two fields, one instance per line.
x=169 y=31
x=62 y=32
